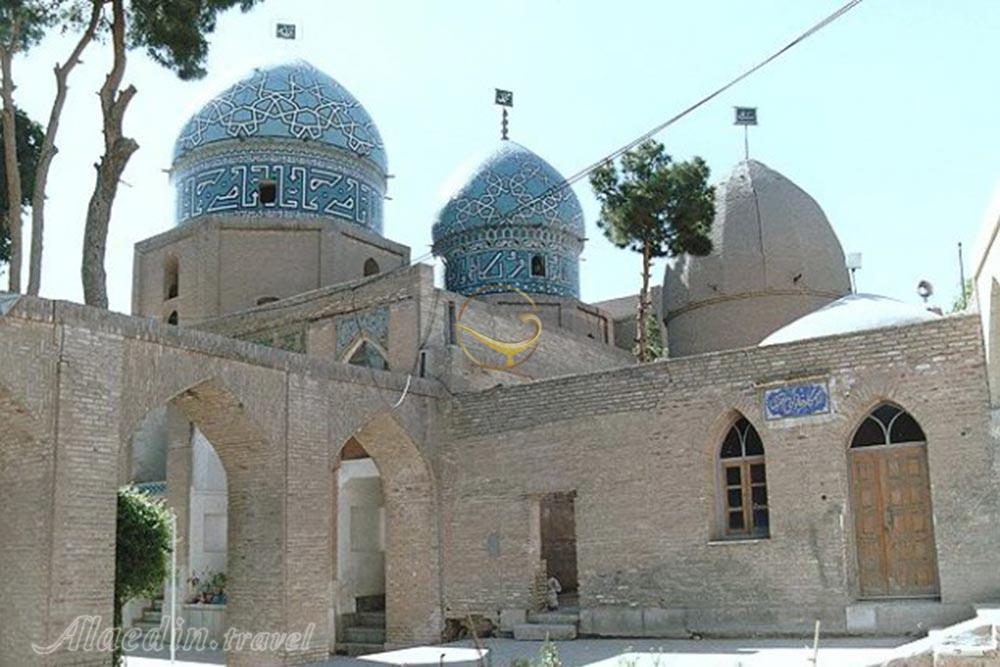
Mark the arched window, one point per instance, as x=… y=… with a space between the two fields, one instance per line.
x=171 y=278
x=887 y=424
x=267 y=190
x=371 y=267
x=369 y=356
x=172 y=318
x=744 y=482
x=538 y=266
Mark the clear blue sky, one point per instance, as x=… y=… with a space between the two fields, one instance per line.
x=888 y=117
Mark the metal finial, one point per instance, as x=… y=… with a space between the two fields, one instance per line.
x=746 y=116
x=505 y=99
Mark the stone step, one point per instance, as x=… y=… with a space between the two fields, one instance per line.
x=153 y=616
x=368 y=619
x=359 y=635
x=146 y=626
x=539 y=631
x=553 y=617
x=370 y=603
x=353 y=649
x=158 y=604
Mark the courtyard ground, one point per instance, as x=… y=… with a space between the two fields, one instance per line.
x=853 y=652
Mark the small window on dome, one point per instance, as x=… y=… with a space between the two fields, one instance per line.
x=172 y=318
x=267 y=190
x=538 y=266
x=266 y=299
x=371 y=267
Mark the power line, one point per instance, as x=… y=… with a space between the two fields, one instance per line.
x=703 y=101
x=841 y=11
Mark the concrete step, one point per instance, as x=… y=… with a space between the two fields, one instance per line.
x=153 y=616
x=536 y=632
x=353 y=649
x=359 y=635
x=370 y=603
x=553 y=617
x=158 y=604
x=368 y=619
x=146 y=626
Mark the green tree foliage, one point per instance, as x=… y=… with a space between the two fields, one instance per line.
x=29 y=136
x=23 y=22
x=654 y=337
x=175 y=33
x=656 y=207
x=961 y=302
x=142 y=551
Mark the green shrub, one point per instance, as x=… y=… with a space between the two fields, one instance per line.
x=142 y=552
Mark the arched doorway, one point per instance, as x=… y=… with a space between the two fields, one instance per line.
x=407 y=520
x=359 y=562
x=892 y=506
x=172 y=460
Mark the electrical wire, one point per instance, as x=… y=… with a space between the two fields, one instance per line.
x=568 y=182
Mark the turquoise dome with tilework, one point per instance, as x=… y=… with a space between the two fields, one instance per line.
x=512 y=222
x=290 y=125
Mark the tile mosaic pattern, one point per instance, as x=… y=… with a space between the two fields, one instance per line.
x=291 y=100
x=373 y=324
x=797 y=400
x=512 y=209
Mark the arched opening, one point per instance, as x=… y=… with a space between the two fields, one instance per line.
x=408 y=526
x=171 y=278
x=890 y=490
x=371 y=267
x=267 y=191
x=359 y=556
x=743 y=483
x=172 y=318
x=171 y=459
x=538 y=266
x=216 y=451
x=367 y=354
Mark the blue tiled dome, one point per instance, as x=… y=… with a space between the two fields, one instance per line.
x=513 y=223
x=285 y=142
x=293 y=100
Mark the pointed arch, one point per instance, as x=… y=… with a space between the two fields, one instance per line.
x=891 y=504
x=412 y=577
x=367 y=353
x=741 y=481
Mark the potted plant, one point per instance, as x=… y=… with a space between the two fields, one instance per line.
x=219 y=588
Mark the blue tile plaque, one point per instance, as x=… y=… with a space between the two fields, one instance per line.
x=797 y=400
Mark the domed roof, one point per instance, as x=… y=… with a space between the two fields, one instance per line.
x=512 y=186
x=854 y=312
x=293 y=100
x=769 y=236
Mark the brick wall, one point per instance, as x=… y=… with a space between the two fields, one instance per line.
x=638 y=445
x=276 y=420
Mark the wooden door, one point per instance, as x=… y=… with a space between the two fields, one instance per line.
x=892 y=512
x=558 y=527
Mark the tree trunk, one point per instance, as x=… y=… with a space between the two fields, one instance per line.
x=49 y=150
x=10 y=164
x=642 y=343
x=118 y=149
